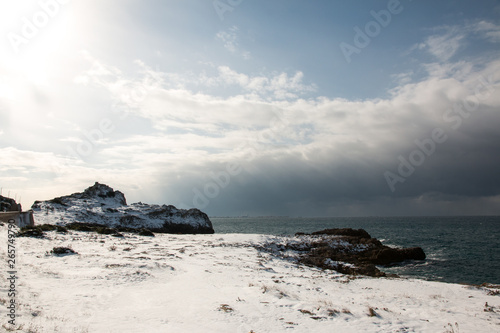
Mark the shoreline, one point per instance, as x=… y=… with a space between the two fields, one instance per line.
x=459 y=250
x=222 y=283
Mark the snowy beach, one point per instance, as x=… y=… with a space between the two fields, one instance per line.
x=219 y=283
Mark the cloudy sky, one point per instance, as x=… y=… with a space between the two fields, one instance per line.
x=258 y=107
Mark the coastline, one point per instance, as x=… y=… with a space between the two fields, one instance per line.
x=459 y=249
x=222 y=283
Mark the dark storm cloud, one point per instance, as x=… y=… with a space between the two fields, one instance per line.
x=436 y=158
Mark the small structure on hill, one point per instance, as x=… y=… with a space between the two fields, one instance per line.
x=11 y=210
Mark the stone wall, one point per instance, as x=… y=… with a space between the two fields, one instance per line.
x=21 y=219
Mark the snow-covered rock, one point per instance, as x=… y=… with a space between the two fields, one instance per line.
x=102 y=205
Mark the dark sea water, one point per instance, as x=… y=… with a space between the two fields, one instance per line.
x=459 y=249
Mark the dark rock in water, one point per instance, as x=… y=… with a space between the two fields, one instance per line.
x=103 y=206
x=344 y=232
x=352 y=251
x=387 y=255
x=341 y=263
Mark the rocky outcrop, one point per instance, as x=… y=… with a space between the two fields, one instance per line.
x=347 y=251
x=388 y=256
x=9 y=205
x=100 y=204
x=360 y=255
x=359 y=233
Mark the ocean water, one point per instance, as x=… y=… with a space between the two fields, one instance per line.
x=459 y=249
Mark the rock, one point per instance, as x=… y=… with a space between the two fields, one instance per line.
x=9 y=205
x=103 y=206
x=60 y=251
x=146 y=232
x=104 y=191
x=32 y=232
x=351 y=251
x=360 y=233
x=387 y=255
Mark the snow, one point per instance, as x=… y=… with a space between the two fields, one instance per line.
x=221 y=283
x=304 y=242
x=102 y=205
x=335 y=263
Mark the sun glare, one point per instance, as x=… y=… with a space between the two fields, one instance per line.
x=37 y=35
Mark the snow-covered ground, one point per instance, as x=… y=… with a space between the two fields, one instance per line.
x=219 y=283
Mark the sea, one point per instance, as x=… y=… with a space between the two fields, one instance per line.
x=459 y=249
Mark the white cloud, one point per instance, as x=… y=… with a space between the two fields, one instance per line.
x=279 y=85
x=202 y=120
x=333 y=145
x=177 y=133
x=444 y=47
x=489 y=30
x=403 y=78
x=450 y=39
x=196 y=126
x=132 y=91
x=230 y=40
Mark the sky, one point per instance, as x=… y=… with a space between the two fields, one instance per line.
x=253 y=107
